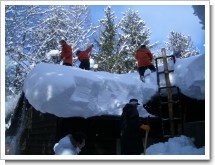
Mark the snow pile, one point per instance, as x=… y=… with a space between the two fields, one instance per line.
x=175 y=146
x=190 y=76
x=11 y=101
x=52 y=53
x=10 y=104
x=69 y=91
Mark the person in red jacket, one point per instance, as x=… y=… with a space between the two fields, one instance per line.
x=144 y=58
x=83 y=57
x=66 y=53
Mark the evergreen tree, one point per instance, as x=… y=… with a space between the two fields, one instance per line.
x=199 y=11
x=183 y=43
x=134 y=34
x=32 y=31
x=53 y=27
x=82 y=30
x=107 y=43
x=70 y=23
x=20 y=23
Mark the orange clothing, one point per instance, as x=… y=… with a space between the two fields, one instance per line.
x=66 y=54
x=145 y=127
x=83 y=55
x=144 y=57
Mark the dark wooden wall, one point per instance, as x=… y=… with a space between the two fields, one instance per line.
x=43 y=130
x=103 y=133
x=41 y=134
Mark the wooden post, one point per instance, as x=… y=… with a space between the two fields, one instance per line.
x=169 y=93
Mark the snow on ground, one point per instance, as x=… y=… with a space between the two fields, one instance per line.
x=12 y=101
x=181 y=145
x=70 y=91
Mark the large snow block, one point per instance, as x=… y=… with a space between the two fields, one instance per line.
x=72 y=92
x=190 y=76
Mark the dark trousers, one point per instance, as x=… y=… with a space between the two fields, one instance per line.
x=131 y=144
x=67 y=64
x=142 y=69
x=85 y=64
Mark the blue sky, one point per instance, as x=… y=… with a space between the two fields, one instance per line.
x=161 y=19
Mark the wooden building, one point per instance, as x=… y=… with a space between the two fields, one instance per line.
x=43 y=130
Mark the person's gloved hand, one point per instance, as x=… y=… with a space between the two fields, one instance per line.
x=145 y=127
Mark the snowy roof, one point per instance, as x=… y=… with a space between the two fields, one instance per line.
x=69 y=91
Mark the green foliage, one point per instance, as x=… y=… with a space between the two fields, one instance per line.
x=119 y=42
x=107 y=44
x=134 y=34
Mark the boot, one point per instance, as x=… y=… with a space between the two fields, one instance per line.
x=142 y=78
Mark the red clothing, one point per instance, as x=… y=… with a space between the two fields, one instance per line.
x=144 y=57
x=66 y=54
x=83 y=55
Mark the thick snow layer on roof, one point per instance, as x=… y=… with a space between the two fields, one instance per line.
x=190 y=76
x=69 y=91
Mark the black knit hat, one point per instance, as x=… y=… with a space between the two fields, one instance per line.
x=143 y=46
x=62 y=41
x=134 y=101
x=78 y=52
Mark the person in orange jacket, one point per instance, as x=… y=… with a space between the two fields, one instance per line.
x=66 y=53
x=131 y=126
x=84 y=58
x=144 y=58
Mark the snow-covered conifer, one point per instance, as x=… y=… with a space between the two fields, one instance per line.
x=33 y=31
x=199 y=11
x=107 y=43
x=182 y=43
x=20 y=23
x=134 y=33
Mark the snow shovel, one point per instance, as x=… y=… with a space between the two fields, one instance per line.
x=145 y=144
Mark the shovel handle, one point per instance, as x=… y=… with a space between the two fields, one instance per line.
x=145 y=144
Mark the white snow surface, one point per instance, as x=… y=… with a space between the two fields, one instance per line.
x=69 y=91
x=190 y=76
x=52 y=53
x=181 y=145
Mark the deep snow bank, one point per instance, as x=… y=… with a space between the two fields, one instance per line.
x=189 y=76
x=69 y=91
x=181 y=145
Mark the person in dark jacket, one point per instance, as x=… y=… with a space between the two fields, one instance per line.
x=131 y=137
x=144 y=58
x=83 y=57
x=177 y=54
x=66 y=53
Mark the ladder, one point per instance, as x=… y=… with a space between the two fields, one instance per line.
x=169 y=96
